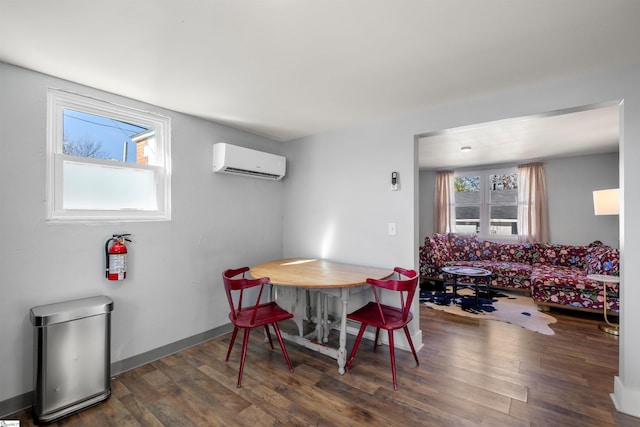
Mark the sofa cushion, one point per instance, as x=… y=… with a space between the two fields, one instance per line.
x=430 y=252
x=602 y=259
x=561 y=255
x=509 y=269
x=464 y=247
x=545 y=275
x=441 y=243
x=569 y=286
x=575 y=298
x=507 y=252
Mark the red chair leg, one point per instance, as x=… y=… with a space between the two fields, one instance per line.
x=266 y=328
x=392 y=353
x=284 y=349
x=375 y=342
x=233 y=340
x=355 y=345
x=245 y=344
x=415 y=355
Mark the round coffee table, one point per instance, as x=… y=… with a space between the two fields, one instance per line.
x=477 y=274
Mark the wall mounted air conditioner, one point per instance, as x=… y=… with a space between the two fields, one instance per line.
x=244 y=161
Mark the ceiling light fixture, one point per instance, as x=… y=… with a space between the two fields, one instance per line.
x=466 y=148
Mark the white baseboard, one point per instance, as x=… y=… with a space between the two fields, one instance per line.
x=625 y=399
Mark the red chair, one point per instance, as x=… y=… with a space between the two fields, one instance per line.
x=383 y=316
x=251 y=316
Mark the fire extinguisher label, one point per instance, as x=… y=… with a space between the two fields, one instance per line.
x=118 y=265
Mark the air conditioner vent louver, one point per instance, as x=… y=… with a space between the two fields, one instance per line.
x=237 y=160
x=254 y=173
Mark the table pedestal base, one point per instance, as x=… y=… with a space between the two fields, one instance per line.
x=296 y=302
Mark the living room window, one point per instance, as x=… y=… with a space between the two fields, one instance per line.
x=486 y=203
x=105 y=161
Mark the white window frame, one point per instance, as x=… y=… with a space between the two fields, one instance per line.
x=485 y=202
x=57 y=101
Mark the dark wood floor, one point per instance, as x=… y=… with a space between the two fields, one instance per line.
x=471 y=373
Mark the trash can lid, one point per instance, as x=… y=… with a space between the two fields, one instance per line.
x=44 y=315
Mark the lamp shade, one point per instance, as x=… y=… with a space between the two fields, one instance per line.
x=606 y=202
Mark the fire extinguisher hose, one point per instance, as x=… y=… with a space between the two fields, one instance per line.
x=106 y=255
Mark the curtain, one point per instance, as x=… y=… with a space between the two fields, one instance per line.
x=443 y=202
x=533 y=212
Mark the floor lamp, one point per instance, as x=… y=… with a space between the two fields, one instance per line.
x=606 y=202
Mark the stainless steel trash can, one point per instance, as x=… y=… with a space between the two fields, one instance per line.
x=72 y=356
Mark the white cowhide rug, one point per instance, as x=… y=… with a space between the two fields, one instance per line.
x=511 y=307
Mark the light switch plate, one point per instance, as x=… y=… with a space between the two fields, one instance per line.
x=392 y=228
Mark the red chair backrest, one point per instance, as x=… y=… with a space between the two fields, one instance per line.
x=231 y=283
x=406 y=286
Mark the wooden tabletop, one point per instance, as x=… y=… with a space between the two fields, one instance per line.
x=317 y=273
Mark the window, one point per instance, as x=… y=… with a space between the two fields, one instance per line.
x=106 y=161
x=468 y=201
x=486 y=203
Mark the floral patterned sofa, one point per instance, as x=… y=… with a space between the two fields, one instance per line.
x=553 y=274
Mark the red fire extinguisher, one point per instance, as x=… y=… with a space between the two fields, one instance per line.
x=116 y=257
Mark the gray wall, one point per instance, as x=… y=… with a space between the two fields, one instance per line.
x=173 y=289
x=337 y=202
x=426 y=203
x=570 y=185
x=570 y=182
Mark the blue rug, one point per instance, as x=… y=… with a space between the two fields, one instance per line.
x=465 y=301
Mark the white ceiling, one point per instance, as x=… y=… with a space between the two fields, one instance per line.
x=291 y=68
x=587 y=130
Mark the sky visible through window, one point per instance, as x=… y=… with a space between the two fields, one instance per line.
x=100 y=137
